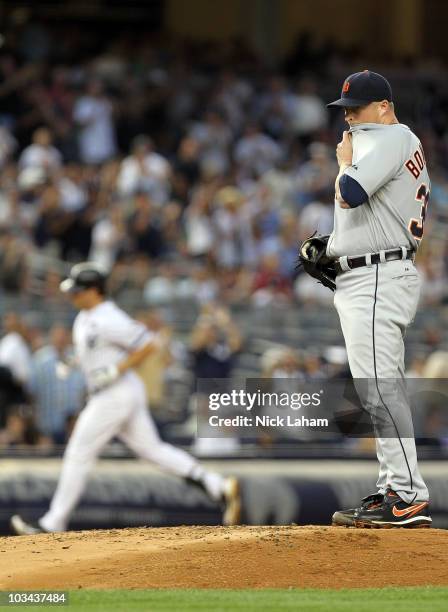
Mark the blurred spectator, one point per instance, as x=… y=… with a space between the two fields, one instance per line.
x=336 y=362
x=279 y=183
x=232 y=95
x=50 y=291
x=436 y=365
x=214 y=342
x=93 y=113
x=313 y=366
x=161 y=288
x=15 y=365
x=235 y=285
x=433 y=336
x=255 y=152
x=435 y=426
x=186 y=170
x=434 y=280
x=171 y=226
x=15 y=351
x=232 y=229
x=72 y=188
x=200 y=286
x=307 y=291
x=53 y=222
x=108 y=237
x=316 y=217
x=284 y=243
x=13 y=262
x=275 y=106
x=270 y=284
x=8 y=145
x=416 y=367
x=439 y=192
x=31 y=183
x=20 y=430
x=315 y=178
x=144 y=171
x=198 y=222
x=281 y=362
x=56 y=385
x=41 y=153
x=148 y=237
x=309 y=114
x=214 y=137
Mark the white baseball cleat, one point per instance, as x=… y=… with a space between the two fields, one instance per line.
x=232 y=500
x=21 y=527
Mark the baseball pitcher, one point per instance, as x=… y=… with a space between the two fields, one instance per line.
x=381 y=196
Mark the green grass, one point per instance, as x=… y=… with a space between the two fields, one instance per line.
x=431 y=599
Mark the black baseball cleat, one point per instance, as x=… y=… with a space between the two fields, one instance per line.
x=344 y=518
x=394 y=512
x=21 y=527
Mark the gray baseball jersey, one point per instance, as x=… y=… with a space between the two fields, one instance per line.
x=389 y=164
x=376 y=303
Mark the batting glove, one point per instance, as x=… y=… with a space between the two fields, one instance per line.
x=103 y=377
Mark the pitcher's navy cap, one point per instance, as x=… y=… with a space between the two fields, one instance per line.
x=362 y=88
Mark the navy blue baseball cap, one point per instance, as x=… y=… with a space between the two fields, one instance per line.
x=362 y=88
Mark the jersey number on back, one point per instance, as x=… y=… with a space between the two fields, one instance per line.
x=416 y=225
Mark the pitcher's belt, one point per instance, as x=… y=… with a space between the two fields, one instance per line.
x=350 y=263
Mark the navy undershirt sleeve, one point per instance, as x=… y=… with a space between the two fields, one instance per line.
x=351 y=191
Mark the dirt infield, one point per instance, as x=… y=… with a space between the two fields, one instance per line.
x=219 y=557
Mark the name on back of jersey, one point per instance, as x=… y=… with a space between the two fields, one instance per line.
x=416 y=162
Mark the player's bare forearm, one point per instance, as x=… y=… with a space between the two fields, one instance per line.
x=135 y=358
x=343 y=166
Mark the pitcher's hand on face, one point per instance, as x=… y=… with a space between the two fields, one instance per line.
x=344 y=150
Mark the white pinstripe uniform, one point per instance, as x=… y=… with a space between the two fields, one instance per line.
x=103 y=336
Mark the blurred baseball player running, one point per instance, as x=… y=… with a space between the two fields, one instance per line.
x=382 y=193
x=108 y=345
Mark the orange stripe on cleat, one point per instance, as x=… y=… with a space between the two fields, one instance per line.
x=411 y=510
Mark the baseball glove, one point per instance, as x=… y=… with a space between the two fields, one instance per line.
x=313 y=257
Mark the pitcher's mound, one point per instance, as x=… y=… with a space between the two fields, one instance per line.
x=225 y=557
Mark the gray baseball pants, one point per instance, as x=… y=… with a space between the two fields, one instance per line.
x=375 y=305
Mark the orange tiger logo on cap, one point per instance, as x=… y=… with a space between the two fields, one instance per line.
x=346 y=87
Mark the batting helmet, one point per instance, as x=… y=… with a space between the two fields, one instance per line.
x=84 y=276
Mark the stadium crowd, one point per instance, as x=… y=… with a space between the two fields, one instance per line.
x=189 y=170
